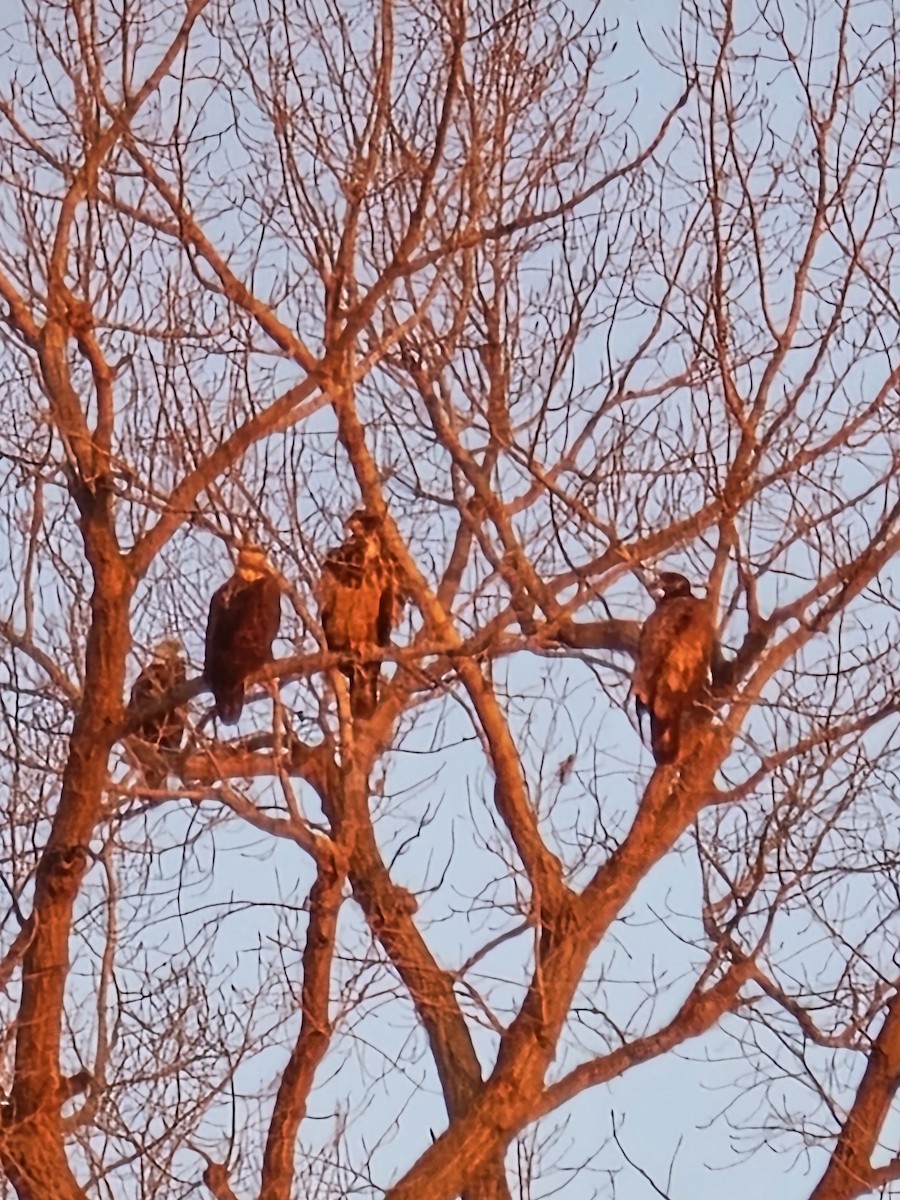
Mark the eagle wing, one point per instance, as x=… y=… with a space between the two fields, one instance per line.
x=387 y=605
x=217 y=626
x=393 y=598
x=243 y=623
x=265 y=600
x=244 y=616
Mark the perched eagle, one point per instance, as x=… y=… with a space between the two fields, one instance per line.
x=162 y=731
x=675 y=649
x=357 y=598
x=244 y=615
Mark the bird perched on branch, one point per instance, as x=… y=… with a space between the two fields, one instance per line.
x=163 y=731
x=674 y=653
x=357 y=603
x=244 y=615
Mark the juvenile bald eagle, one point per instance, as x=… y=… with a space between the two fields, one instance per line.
x=674 y=653
x=244 y=615
x=357 y=598
x=162 y=731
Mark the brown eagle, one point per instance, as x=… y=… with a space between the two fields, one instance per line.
x=357 y=599
x=162 y=731
x=675 y=649
x=244 y=615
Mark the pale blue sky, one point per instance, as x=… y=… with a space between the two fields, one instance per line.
x=668 y=1114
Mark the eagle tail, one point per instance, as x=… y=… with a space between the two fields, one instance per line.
x=364 y=689
x=230 y=704
x=665 y=737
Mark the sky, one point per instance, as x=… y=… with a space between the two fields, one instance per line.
x=688 y=1122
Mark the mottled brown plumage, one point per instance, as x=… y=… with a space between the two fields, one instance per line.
x=244 y=615
x=675 y=650
x=164 y=731
x=357 y=600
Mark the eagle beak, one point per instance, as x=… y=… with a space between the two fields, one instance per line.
x=656 y=590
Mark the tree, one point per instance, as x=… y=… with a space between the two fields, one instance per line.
x=561 y=300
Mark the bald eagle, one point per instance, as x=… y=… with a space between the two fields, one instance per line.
x=244 y=615
x=162 y=732
x=674 y=654
x=357 y=599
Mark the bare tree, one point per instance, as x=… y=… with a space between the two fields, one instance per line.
x=561 y=299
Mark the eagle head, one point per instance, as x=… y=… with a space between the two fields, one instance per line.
x=252 y=562
x=669 y=585
x=168 y=650
x=363 y=523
